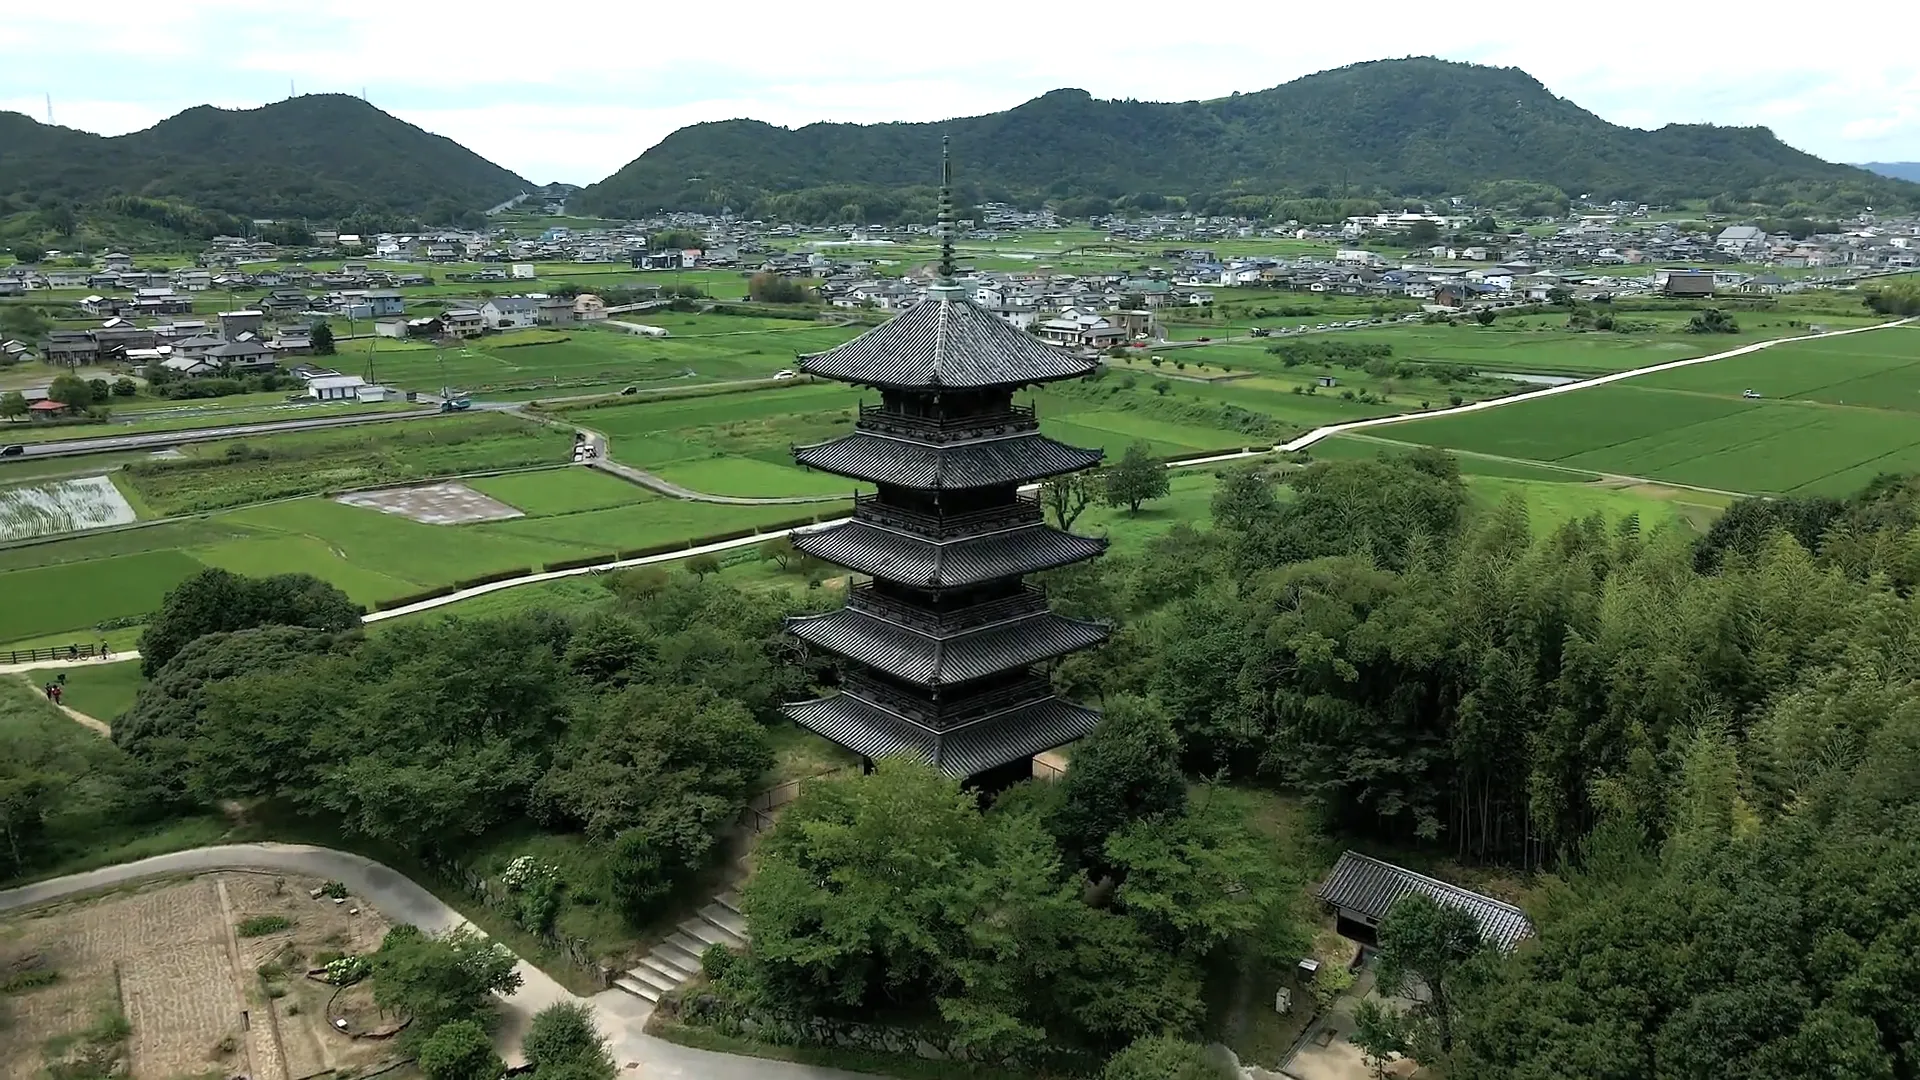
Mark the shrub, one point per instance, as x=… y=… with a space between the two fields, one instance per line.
x=262 y=925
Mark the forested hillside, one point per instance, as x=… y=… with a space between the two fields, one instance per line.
x=1383 y=130
x=329 y=159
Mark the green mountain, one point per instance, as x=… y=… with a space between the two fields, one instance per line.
x=1391 y=129
x=324 y=158
x=1901 y=170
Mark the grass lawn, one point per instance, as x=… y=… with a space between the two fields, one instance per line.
x=1693 y=426
x=102 y=691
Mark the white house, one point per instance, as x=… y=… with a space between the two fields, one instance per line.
x=335 y=387
x=509 y=312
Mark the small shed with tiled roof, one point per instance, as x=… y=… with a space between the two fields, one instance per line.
x=1362 y=890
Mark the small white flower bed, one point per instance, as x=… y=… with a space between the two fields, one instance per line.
x=58 y=506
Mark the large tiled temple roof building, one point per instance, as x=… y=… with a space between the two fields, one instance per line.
x=946 y=647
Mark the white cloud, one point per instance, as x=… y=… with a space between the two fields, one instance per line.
x=575 y=94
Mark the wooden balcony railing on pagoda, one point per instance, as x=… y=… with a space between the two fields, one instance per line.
x=947 y=715
x=1024 y=510
x=880 y=420
x=1030 y=600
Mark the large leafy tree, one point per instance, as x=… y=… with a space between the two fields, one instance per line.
x=659 y=772
x=216 y=600
x=441 y=979
x=1128 y=769
x=1134 y=479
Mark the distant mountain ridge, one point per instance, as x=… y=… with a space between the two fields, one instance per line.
x=1899 y=170
x=322 y=157
x=1386 y=129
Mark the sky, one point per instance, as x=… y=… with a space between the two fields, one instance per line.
x=575 y=94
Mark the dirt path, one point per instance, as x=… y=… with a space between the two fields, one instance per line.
x=98 y=727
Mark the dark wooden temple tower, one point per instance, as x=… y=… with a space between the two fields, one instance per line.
x=946 y=646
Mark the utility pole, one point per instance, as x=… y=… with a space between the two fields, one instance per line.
x=49 y=110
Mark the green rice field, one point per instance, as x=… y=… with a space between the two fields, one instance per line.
x=1832 y=414
x=68 y=586
x=738 y=444
x=520 y=363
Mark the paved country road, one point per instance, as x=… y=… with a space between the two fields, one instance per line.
x=154 y=440
x=621 y=1015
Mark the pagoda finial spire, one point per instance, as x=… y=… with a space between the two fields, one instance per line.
x=946 y=214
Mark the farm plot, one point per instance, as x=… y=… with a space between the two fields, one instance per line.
x=1693 y=426
x=159 y=982
x=58 y=506
x=731 y=444
x=73 y=596
x=433 y=504
x=716 y=348
x=216 y=475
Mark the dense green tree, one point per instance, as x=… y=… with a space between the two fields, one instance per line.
x=215 y=600
x=459 y=1050
x=1158 y=1057
x=70 y=390
x=1134 y=479
x=563 y=1043
x=1129 y=769
x=770 y=288
x=24 y=321
x=125 y=387
x=165 y=731
x=322 y=339
x=1195 y=881
x=440 y=979
x=1431 y=949
x=13 y=405
x=659 y=772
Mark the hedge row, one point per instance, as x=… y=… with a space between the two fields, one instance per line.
x=575 y=564
x=498 y=575
x=414 y=598
x=657 y=549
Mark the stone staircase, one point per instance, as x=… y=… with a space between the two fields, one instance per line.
x=677 y=959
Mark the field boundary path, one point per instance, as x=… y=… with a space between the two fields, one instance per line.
x=1330 y=430
x=667 y=487
x=621 y=1015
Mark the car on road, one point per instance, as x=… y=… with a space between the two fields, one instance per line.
x=625 y=390
x=783 y=374
x=12 y=450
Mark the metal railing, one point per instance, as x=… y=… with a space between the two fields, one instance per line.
x=1011 y=421
x=1024 y=510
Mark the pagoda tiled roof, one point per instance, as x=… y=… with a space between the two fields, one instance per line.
x=888 y=459
x=945 y=342
x=873 y=732
x=927 y=659
x=899 y=556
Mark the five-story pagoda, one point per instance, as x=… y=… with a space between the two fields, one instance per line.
x=946 y=645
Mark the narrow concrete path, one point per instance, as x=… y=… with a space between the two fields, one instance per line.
x=58 y=665
x=1331 y=430
x=667 y=487
x=621 y=1016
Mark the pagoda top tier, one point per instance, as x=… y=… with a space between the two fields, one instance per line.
x=945 y=342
